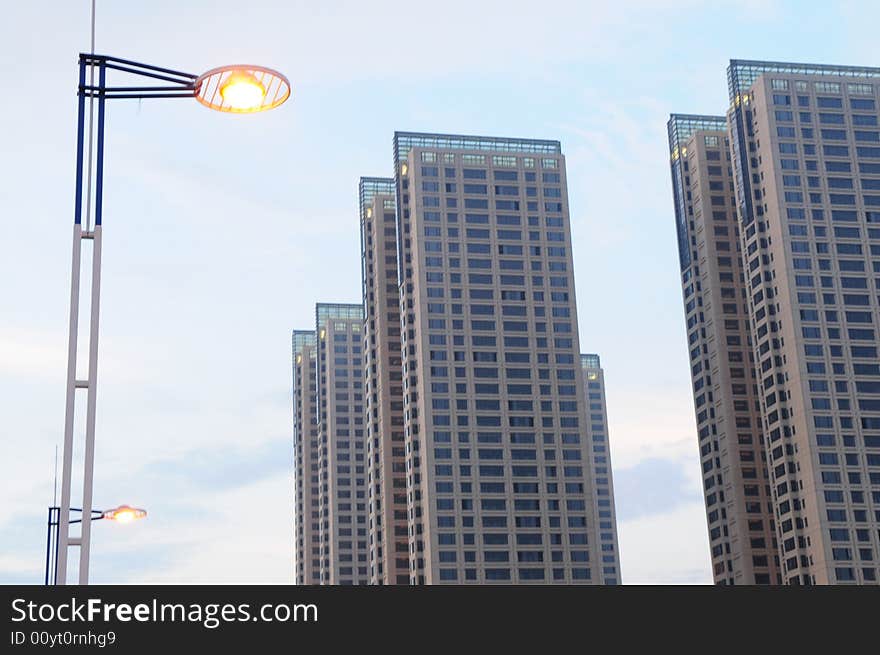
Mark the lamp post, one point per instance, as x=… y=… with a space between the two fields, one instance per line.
x=233 y=89
x=121 y=514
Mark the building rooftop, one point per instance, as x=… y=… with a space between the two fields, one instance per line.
x=742 y=73
x=302 y=339
x=681 y=126
x=368 y=187
x=345 y=311
x=406 y=141
x=590 y=360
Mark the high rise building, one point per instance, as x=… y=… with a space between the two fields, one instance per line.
x=608 y=569
x=460 y=437
x=329 y=449
x=805 y=158
x=305 y=446
x=383 y=392
x=341 y=463
x=498 y=461
x=735 y=483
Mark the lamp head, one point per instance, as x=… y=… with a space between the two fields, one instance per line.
x=242 y=89
x=124 y=514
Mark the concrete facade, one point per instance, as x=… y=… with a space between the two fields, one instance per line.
x=804 y=155
x=384 y=431
x=736 y=490
x=608 y=564
x=499 y=486
x=305 y=445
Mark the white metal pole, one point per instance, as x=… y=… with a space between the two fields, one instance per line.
x=89 y=458
x=67 y=457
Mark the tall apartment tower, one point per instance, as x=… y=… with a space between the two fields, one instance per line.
x=498 y=460
x=342 y=498
x=805 y=154
x=608 y=569
x=305 y=446
x=383 y=390
x=735 y=482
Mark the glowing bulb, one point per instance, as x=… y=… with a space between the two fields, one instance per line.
x=243 y=91
x=124 y=514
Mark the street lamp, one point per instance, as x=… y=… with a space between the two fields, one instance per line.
x=239 y=89
x=121 y=514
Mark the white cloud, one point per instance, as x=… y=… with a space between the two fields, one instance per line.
x=333 y=42
x=668 y=548
x=240 y=536
x=15 y=565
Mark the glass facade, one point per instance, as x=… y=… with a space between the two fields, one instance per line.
x=406 y=141
x=743 y=73
x=680 y=128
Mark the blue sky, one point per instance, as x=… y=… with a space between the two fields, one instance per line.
x=222 y=231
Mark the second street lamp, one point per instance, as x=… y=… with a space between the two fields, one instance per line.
x=121 y=514
x=238 y=89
